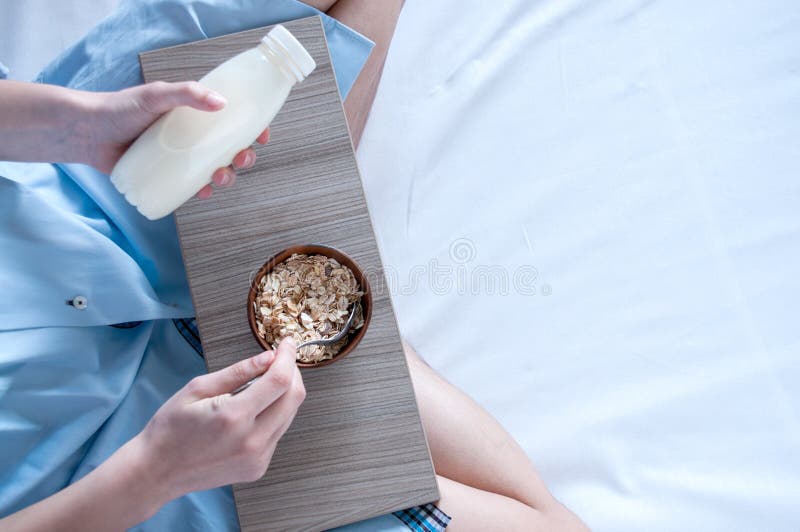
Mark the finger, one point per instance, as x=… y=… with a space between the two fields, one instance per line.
x=159 y=97
x=205 y=192
x=223 y=177
x=228 y=379
x=277 y=417
x=263 y=138
x=244 y=159
x=275 y=382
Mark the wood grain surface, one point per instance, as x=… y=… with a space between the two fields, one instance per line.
x=356 y=448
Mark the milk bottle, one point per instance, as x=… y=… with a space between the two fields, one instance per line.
x=175 y=157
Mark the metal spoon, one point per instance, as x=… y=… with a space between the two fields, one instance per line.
x=322 y=341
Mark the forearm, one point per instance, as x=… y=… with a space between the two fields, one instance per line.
x=121 y=492
x=43 y=122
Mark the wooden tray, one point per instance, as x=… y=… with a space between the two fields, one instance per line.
x=356 y=448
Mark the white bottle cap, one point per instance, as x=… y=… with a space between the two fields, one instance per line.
x=295 y=51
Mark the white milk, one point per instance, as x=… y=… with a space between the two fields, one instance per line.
x=175 y=157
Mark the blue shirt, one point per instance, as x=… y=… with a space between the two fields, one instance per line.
x=78 y=380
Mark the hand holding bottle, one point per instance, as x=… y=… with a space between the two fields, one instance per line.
x=118 y=118
x=162 y=142
x=50 y=123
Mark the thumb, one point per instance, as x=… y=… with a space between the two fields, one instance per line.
x=228 y=379
x=159 y=97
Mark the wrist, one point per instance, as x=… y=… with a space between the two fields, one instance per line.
x=71 y=118
x=80 y=114
x=139 y=478
x=44 y=122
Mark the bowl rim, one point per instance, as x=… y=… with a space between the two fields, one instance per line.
x=313 y=249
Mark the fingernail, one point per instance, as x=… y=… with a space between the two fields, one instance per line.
x=249 y=159
x=216 y=99
x=290 y=342
x=265 y=358
x=225 y=179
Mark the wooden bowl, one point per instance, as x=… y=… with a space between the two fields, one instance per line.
x=314 y=249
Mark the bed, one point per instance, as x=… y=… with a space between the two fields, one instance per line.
x=589 y=216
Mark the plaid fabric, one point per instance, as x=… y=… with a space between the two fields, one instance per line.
x=426 y=518
x=188 y=329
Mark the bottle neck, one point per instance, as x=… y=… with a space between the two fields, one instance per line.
x=279 y=56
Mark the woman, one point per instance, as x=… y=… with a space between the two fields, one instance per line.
x=202 y=437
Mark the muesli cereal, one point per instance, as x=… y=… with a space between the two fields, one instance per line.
x=308 y=297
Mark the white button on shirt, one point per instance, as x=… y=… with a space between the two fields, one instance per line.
x=79 y=302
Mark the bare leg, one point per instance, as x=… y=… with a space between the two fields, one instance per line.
x=477 y=510
x=486 y=479
x=375 y=19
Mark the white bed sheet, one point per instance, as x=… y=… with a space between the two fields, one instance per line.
x=643 y=157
